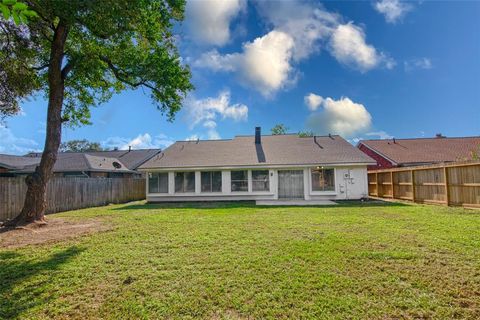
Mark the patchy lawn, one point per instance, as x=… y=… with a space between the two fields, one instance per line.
x=245 y=262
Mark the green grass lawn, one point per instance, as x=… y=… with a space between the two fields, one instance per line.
x=246 y=262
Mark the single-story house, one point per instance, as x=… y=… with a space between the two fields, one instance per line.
x=390 y=153
x=106 y=164
x=11 y=163
x=257 y=167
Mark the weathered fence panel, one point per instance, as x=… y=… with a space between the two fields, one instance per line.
x=455 y=184
x=65 y=194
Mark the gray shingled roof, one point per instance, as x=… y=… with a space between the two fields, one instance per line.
x=274 y=150
x=16 y=162
x=131 y=159
x=73 y=161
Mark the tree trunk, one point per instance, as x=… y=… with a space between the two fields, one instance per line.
x=35 y=200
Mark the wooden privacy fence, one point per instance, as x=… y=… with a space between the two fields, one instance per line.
x=65 y=194
x=455 y=184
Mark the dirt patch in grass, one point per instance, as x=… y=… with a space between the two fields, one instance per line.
x=55 y=230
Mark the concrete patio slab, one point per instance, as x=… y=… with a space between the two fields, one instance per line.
x=294 y=203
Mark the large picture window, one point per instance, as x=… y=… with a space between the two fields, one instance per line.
x=184 y=182
x=260 y=180
x=211 y=181
x=323 y=179
x=239 y=180
x=158 y=182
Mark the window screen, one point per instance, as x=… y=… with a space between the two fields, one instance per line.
x=323 y=180
x=260 y=180
x=184 y=182
x=158 y=182
x=211 y=181
x=239 y=180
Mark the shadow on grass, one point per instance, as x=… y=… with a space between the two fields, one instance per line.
x=18 y=292
x=251 y=204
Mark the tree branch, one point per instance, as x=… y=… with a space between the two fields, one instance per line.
x=124 y=77
x=40 y=67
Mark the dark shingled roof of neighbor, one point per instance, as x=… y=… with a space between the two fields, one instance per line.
x=73 y=161
x=131 y=159
x=281 y=150
x=425 y=150
x=17 y=162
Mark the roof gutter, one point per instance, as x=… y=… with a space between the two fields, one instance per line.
x=267 y=166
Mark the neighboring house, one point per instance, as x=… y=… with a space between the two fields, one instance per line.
x=258 y=168
x=108 y=164
x=390 y=153
x=10 y=163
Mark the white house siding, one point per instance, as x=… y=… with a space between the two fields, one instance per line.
x=350 y=183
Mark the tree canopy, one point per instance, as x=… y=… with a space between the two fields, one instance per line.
x=306 y=133
x=278 y=129
x=110 y=45
x=80 y=146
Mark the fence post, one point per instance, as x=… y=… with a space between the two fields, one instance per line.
x=412 y=175
x=447 y=192
x=391 y=181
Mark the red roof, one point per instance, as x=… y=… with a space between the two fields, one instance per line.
x=425 y=150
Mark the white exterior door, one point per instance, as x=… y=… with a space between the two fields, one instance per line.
x=290 y=184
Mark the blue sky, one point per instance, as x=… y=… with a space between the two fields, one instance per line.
x=362 y=69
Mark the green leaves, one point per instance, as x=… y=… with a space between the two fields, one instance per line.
x=18 y=11
x=111 y=46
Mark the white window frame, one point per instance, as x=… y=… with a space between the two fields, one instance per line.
x=327 y=192
x=184 y=181
x=211 y=184
x=148 y=182
x=248 y=181
x=268 y=181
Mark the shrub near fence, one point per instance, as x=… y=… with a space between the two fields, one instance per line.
x=449 y=184
x=65 y=194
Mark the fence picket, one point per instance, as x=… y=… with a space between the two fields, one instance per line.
x=65 y=194
x=449 y=183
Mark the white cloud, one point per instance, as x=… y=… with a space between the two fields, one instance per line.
x=313 y=101
x=371 y=135
x=142 y=141
x=192 y=137
x=380 y=134
x=207 y=111
x=208 y=21
x=348 y=46
x=418 y=63
x=393 y=10
x=264 y=64
x=342 y=116
x=298 y=29
x=308 y=24
x=11 y=144
x=212 y=133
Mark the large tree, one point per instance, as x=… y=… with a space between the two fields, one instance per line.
x=79 y=53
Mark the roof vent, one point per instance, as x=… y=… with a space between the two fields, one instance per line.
x=116 y=165
x=258 y=135
x=316 y=142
